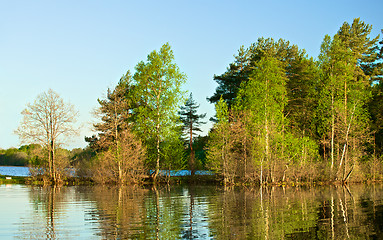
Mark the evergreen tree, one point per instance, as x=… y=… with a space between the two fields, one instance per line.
x=191 y=124
x=230 y=81
x=356 y=38
x=115 y=114
x=120 y=153
x=376 y=104
x=375 y=110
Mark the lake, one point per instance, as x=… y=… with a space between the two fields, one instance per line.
x=14 y=171
x=191 y=212
x=24 y=172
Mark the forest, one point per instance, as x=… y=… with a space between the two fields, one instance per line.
x=281 y=117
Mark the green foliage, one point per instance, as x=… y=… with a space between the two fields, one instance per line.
x=23 y=156
x=265 y=93
x=222 y=112
x=375 y=108
x=276 y=111
x=356 y=38
x=297 y=67
x=200 y=152
x=191 y=122
x=230 y=81
x=190 y=119
x=158 y=83
x=173 y=153
x=217 y=147
x=348 y=66
x=264 y=98
x=115 y=113
x=254 y=138
x=13 y=157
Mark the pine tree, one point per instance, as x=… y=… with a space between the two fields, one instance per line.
x=230 y=81
x=376 y=103
x=115 y=112
x=356 y=38
x=120 y=152
x=191 y=124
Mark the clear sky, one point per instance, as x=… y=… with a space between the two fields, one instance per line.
x=81 y=48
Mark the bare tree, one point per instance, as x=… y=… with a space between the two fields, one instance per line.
x=46 y=122
x=122 y=163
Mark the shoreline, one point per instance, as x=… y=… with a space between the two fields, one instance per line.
x=174 y=180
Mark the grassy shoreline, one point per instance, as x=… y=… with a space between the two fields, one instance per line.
x=4 y=179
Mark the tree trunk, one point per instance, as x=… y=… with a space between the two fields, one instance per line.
x=267 y=149
x=332 y=131
x=50 y=162
x=345 y=121
x=192 y=154
x=245 y=156
x=324 y=148
x=345 y=148
x=224 y=161
x=52 y=157
x=158 y=151
x=118 y=159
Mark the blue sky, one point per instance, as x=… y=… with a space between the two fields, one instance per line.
x=80 y=48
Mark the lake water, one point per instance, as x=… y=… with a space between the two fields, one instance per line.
x=190 y=212
x=24 y=172
x=14 y=171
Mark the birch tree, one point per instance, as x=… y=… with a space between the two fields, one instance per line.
x=264 y=97
x=217 y=156
x=343 y=93
x=158 y=82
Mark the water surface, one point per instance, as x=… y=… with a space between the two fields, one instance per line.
x=190 y=212
x=14 y=171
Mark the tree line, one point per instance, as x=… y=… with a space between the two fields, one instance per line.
x=284 y=116
x=280 y=116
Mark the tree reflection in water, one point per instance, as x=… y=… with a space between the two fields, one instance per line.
x=47 y=214
x=204 y=212
x=120 y=210
x=332 y=212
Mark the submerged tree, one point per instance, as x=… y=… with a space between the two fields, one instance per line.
x=192 y=121
x=46 y=122
x=158 y=82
